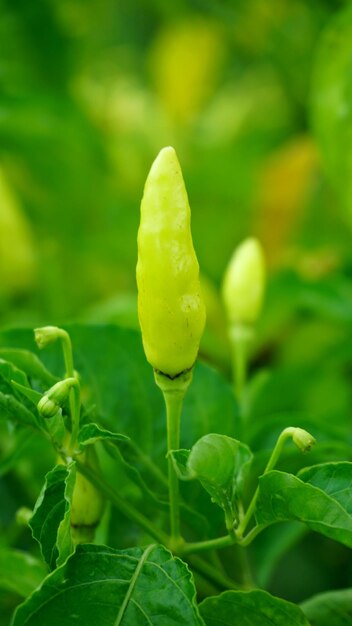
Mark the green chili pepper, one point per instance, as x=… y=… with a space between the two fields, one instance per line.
x=87 y=503
x=170 y=305
x=244 y=283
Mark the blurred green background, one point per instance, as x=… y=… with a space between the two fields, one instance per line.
x=90 y=91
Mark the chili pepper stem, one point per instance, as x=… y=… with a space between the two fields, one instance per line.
x=174 y=391
x=240 y=338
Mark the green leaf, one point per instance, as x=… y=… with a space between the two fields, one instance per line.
x=100 y=585
x=29 y=363
x=10 y=372
x=22 y=444
x=12 y=409
x=220 y=464
x=50 y=522
x=54 y=425
x=335 y=479
x=285 y=497
x=28 y=392
x=90 y=433
x=180 y=461
x=333 y=608
x=250 y=608
x=20 y=572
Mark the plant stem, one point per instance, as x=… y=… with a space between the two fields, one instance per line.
x=173 y=414
x=127 y=509
x=75 y=408
x=174 y=392
x=74 y=395
x=67 y=350
x=286 y=434
x=240 y=337
x=210 y=544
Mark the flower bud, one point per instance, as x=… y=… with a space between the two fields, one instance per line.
x=47 y=408
x=55 y=397
x=46 y=335
x=244 y=283
x=303 y=440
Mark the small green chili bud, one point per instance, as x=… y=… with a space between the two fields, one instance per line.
x=46 y=335
x=303 y=440
x=47 y=408
x=53 y=399
x=170 y=305
x=244 y=283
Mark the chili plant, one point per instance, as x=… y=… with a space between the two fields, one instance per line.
x=122 y=540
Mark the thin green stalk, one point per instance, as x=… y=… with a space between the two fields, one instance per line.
x=239 y=367
x=173 y=403
x=127 y=509
x=68 y=354
x=251 y=535
x=240 y=338
x=74 y=396
x=174 y=392
x=210 y=544
x=75 y=408
x=286 y=434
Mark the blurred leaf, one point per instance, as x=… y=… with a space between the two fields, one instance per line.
x=10 y=372
x=29 y=362
x=90 y=433
x=136 y=584
x=270 y=546
x=331 y=112
x=22 y=445
x=50 y=522
x=20 y=572
x=12 y=409
x=31 y=394
x=252 y=608
x=332 y=607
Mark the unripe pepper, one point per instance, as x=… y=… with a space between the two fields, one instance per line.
x=244 y=283
x=88 y=504
x=170 y=306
